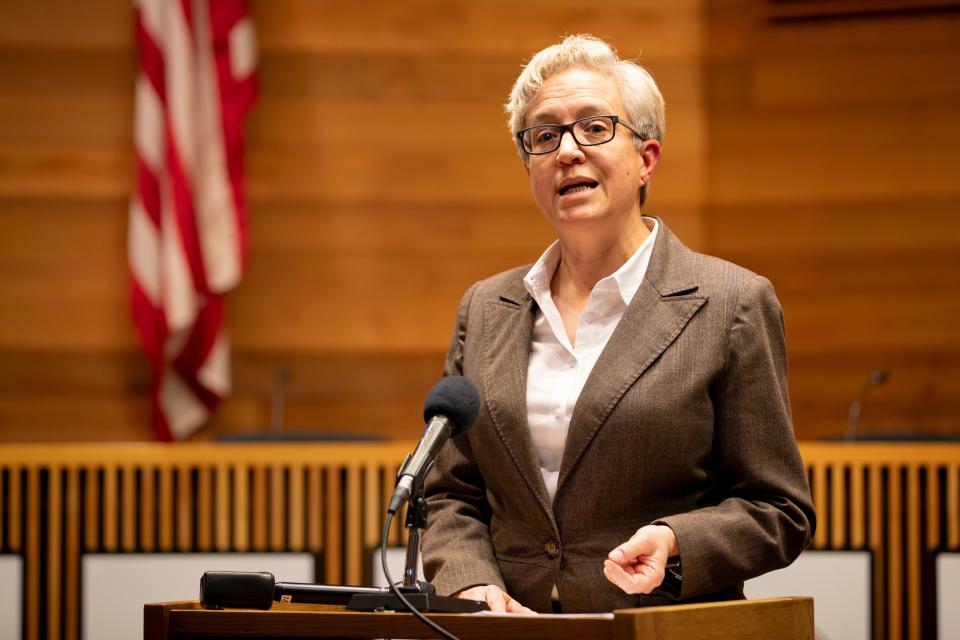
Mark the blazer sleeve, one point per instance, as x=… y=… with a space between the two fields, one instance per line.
x=766 y=517
x=457 y=550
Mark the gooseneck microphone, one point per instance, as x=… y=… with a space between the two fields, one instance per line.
x=876 y=379
x=450 y=409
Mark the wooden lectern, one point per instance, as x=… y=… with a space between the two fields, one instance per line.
x=774 y=619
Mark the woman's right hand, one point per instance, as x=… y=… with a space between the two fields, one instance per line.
x=495 y=597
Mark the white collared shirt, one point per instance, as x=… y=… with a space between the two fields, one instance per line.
x=558 y=370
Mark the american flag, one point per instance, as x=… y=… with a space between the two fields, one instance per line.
x=187 y=228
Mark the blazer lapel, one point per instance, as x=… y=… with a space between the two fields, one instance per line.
x=508 y=326
x=661 y=308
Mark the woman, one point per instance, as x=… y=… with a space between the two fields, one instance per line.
x=634 y=409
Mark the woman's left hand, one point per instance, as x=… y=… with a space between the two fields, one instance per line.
x=638 y=565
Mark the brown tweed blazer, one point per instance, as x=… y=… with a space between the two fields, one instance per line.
x=684 y=420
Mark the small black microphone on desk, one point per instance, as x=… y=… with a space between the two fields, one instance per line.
x=259 y=590
x=877 y=378
x=449 y=411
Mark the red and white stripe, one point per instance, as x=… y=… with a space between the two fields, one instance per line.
x=187 y=230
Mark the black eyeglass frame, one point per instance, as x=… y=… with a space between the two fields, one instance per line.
x=563 y=128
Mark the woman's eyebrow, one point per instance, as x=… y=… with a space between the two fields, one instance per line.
x=548 y=117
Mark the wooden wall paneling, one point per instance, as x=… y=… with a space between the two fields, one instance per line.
x=295 y=508
x=54 y=554
x=71 y=561
x=933 y=493
x=16 y=520
x=953 y=505
x=315 y=508
x=819 y=493
x=895 y=557
x=222 y=501
x=205 y=514
x=148 y=508
x=333 y=518
x=372 y=506
x=800 y=115
x=165 y=502
x=32 y=576
x=277 y=509
x=878 y=494
x=839 y=506
x=858 y=504
x=259 y=515
x=128 y=522
x=186 y=494
x=241 y=508
x=110 y=522
x=353 y=521
x=914 y=513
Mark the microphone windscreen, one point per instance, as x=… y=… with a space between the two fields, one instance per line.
x=236 y=590
x=456 y=398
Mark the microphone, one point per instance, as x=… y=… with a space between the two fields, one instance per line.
x=450 y=409
x=243 y=590
x=876 y=379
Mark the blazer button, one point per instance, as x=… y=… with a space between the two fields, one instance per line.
x=552 y=548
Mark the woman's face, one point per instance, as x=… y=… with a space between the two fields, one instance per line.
x=581 y=188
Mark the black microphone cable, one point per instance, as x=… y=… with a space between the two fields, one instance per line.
x=396 y=591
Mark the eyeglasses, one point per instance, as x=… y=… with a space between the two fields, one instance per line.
x=587 y=132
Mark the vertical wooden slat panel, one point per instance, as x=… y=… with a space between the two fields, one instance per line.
x=295 y=508
x=259 y=508
x=838 y=507
x=71 y=573
x=334 y=498
x=278 y=502
x=315 y=505
x=16 y=511
x=953 y=505
x=185 y=521
x=876 y=546
x=32 y=559
x=241 y=507
x=389 y=482
x=354 y=553
x=3 y=500
x=819 y=490
x=91 y=508
x=148 y=509
x=128 y=538
x=857 y=507
x=110 y=523
x=894 y=554
x=913 y=558
x=165 y=519
x=54 y=556
x=933 y=507
x=204 y=508
x=372 y=506
x=222 y=481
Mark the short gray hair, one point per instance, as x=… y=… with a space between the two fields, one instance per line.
x=639 y=92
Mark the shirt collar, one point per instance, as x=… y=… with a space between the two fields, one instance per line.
x=627 y=278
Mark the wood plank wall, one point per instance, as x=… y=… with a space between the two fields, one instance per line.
x=382 y=183
x=832 y=169
x=369 y=216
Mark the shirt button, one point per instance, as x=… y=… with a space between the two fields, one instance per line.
x=558 y=413
x=552 y=548
x=589 y=317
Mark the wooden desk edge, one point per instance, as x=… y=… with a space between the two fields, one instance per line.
x=651 y=622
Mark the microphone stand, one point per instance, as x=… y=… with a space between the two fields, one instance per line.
x=418 y=593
